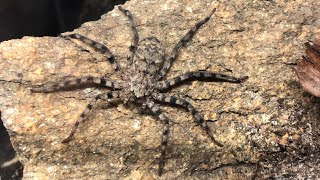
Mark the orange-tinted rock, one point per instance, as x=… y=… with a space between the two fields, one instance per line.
x=267 y=114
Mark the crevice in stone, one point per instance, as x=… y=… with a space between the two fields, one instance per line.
x=10 y=166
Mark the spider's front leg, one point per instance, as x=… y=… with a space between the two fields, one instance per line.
x=182 y=42
x=198 y=75
x=108 y=96
x=186 y=105
x=97 y=47
x=135 y=35
x=165 y=132
x=87 y=81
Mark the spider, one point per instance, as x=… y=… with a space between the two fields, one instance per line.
x=142 y=81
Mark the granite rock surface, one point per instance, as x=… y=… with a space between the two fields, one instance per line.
x=269 y=127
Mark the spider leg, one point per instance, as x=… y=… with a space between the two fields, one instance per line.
x=96 y=46
x=135 y=35
x=182 y=42
x=198 y=75
x=185 y=104
x=108 y=96
x=165 y=132
x=87 y=81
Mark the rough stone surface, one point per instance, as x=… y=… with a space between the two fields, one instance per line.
x=269 y=127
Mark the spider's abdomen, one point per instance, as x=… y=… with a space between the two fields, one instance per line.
x=149 y=56
x=147 y=62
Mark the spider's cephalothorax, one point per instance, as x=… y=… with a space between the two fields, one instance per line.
x=142 y=82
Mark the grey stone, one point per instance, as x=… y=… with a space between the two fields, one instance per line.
x=268 y=114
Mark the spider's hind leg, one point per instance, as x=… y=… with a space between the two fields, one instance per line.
x=96 y=46
x=165 y=132
x=186 y=105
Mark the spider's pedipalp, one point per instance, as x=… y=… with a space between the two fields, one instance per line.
x=182 y=42
x=97 y=47
x=186 y=105
x=110 y=95
x=198 y=75
x=135 y=35
x=165 y=132
x=87 y=81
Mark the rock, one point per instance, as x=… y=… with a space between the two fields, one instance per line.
x=268 y=114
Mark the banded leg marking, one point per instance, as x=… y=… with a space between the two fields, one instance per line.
x=165 y=132
x=198 y=75
x=87 y=110
x=88 y=81
x=182 y=42
x=97 y=47
x=185 y=104
x=135 y=35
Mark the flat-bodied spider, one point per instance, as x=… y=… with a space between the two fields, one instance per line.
x=141 y=83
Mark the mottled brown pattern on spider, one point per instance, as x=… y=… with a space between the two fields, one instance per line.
x=141 y=82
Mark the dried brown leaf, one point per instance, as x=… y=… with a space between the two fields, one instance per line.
x=308 y=69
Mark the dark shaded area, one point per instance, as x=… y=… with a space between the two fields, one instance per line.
x=93 y=9
x=20 y=18
x=299 y=157
x=8 y=170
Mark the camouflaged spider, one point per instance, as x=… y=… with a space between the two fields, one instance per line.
x=141 y=82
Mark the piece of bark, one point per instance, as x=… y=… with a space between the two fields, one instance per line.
x=308 y=69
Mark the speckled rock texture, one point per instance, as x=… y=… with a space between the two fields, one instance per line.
x=269 y=127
